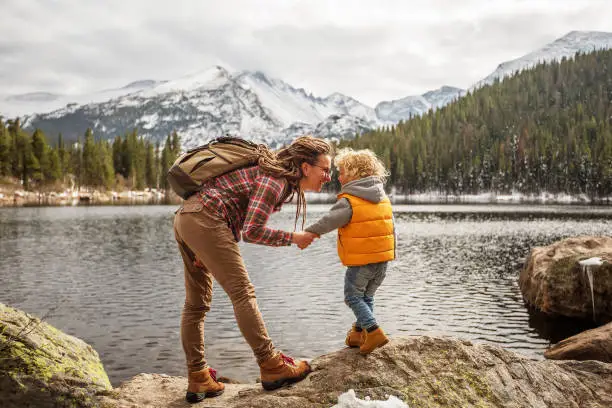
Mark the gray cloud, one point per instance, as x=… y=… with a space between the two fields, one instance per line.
x=371 y=50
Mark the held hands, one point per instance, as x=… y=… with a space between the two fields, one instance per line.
x=303 y=239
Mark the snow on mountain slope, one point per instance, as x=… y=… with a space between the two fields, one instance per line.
x=566 y=46
x=287 y=104
x=402 y=109
x=210 y=104
x=290 y=105
x=216 y=102
x=396 y=110
x=443 y=96
x=337 y=125
x=352 y=107
x=214 y=77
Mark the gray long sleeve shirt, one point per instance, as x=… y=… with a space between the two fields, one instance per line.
x=368 y=188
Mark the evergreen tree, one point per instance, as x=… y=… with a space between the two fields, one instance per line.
x=150 y=173
x=158 y=174
x=27 y=162
x=5 y=150
x=15 y=155
x=175 y=145
x=65 y=161
x=53 y=172
x=543 y=129
x=40 y=150
x=165 y=164
x=118 y=156
x=89 y=162
x=169 y=153
x=76 y=159
x=106 y=166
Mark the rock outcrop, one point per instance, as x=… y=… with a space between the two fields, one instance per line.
x=422 y=371
x=553 y=282
x=594 y=344
x=42 y=367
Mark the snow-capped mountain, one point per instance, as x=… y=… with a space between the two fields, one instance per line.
x=443 y=96
x=142 y=84
x=292 y=105
x=216 y=102
x=401 y=109
x=213 y=103
x=566 y=46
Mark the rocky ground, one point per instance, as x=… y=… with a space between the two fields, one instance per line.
x=422 y=371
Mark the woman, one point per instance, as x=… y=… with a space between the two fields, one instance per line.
x=208 y=227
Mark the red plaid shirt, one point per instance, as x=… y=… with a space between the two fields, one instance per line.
x=246 y=198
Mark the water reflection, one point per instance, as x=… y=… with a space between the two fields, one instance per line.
x=557 y=328
x=115 y=276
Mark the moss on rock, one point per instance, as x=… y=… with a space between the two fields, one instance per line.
x=42 y=364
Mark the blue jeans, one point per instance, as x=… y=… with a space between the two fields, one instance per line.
x=360 y=284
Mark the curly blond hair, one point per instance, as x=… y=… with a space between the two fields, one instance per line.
x=360 y=163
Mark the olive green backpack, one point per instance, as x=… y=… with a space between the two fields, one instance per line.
x=213 y=159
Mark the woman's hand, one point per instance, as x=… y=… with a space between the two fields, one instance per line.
x=303 y=239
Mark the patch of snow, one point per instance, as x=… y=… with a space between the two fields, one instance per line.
x=595 y=261
x=149 y=121
x=287 y=104
x=586 y=265
x=127 y=102
x=404 y=108
x=350 y=400
x=486 y=197
x=208 y=79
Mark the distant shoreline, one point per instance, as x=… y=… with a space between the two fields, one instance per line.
x=153 y=197
x=69 y=198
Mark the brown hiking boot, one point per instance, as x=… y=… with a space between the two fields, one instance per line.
x=354 y=338
x=373 y=340
x=203 y=384
x=280 y=370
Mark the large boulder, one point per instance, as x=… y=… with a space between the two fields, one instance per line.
x=422 y=371
x=594 y=344
x=42 y=367
x=554 y=282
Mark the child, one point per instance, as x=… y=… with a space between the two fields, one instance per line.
x=366 y=240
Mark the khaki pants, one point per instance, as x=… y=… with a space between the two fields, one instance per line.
x=207 y=238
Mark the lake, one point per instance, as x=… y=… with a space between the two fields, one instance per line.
x=113 y=276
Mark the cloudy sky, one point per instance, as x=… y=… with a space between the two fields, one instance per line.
x=371 y=50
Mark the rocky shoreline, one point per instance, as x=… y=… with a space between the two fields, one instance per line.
x=43 y=367
x=20 y=198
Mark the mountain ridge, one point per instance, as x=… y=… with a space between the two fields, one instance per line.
x=215 y=102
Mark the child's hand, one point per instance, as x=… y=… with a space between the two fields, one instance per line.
x=312 y=237
x=303 y=239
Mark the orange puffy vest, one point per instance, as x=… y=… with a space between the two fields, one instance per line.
x=368 y=237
